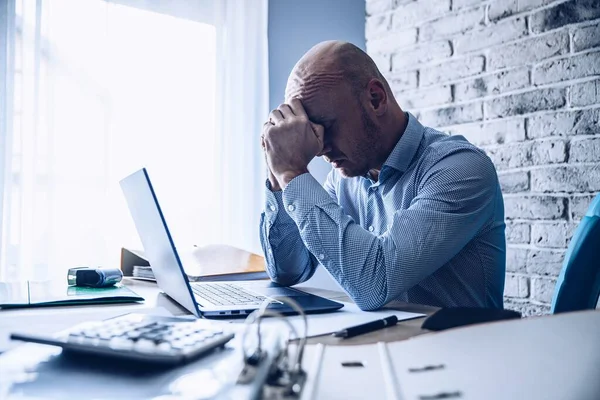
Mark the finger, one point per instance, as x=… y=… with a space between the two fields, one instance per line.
x=265 y=128
x=286 y=110
x=319 y=132
x=276 y=116
x=297 y=108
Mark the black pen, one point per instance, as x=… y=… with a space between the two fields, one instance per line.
x=366 y=328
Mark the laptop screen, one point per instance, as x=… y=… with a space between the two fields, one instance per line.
x=157 y=241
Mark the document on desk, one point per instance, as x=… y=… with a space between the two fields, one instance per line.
x=349 y=315
x=558 y=358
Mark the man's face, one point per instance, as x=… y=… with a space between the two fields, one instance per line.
x=351 y=135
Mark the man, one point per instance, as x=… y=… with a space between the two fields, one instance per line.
x=408 y=213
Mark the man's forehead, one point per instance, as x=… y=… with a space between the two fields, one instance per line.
x=318 y=92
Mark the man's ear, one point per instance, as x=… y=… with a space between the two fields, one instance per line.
x=377 y=96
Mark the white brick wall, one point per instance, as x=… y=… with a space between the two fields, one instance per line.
x=521 y=79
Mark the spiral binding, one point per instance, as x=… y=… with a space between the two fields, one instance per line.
x=286 y=376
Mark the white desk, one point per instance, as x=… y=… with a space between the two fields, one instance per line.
x=547 y=358
x=55 y=319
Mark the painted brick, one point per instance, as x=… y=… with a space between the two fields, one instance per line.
x=566 y=179
x=516 y=286
x=378 y=6
x=518 y=155
x=526 y=308
x=492 y=84
x=510 y=156
x=548 y=152
x=502 y=32
x=518 y=232
x=569 y=123
x=578 y=206
x=545 y=262
x=403 y=80
x=392 y=41
x=382 y=61
x=506 y=8
x=493 y=132
x=578 y=66
x=424 y=97
x=458 y=4
x=451 y=70
x=523 y=103
x=586 y=38
x=571 y=227
x=514 y=182
x=516 y=259
x=562 y=14
x=585 y=150
x=453 y=115
x=585 y=93
x=502 y=9
x=414 y=13
x=529 y=51
x=451 y=24
x=377 y=25
x=543 y=289
x=534 y=207
x=420 y=55
x=549 y=234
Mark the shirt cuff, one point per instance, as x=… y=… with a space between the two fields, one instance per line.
x=302 y=194
x=274 y=207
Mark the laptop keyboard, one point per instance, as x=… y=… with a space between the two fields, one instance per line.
x=225 y=294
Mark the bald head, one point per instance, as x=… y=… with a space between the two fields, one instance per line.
x=330 y=64
x=342 y=90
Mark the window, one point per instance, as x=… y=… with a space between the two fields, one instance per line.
x=100 y=90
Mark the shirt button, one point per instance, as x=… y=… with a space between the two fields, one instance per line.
x=291 y=207
x=272 y=207
x=321 y=256
x=371 y=229
x=271 y=251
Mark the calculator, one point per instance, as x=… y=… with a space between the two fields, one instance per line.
x=138 y=337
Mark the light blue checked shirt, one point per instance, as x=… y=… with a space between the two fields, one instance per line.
x=429 y=231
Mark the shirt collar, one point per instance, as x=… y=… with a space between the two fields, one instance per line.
x=407 y=146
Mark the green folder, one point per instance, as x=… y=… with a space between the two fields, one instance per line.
x=52 y=293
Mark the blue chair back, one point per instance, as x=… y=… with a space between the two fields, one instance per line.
x=578 y=286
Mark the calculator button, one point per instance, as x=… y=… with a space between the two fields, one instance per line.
x=164 y=348
x=118 y=343
x=144 y=345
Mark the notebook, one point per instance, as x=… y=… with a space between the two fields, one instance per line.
x=58 y=293
x=211 y=263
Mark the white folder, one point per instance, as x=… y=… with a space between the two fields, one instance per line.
x=550 y=357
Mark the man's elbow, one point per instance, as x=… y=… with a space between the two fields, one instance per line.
x=285 y=279
x=368 y=302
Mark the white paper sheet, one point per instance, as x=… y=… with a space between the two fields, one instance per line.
x=349 y=315
x=321 y=279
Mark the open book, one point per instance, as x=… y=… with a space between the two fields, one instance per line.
x=208 y=263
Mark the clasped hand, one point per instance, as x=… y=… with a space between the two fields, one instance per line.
x=290 y=141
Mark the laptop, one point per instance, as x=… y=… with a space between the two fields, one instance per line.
x=203 y=299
